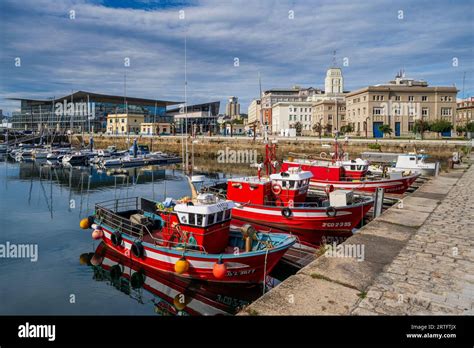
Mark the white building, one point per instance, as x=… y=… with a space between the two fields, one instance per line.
x=254 y=111
x=285 y=115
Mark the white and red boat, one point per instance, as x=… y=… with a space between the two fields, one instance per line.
x=350 y=175
x=192 y=239
x=281 y=201
x=170 y=294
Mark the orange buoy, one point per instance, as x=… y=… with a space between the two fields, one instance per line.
x=219 y=269
x=85 y=223
x=181 y=266
x=180 y=302
x=84 y=259
x=97 y=234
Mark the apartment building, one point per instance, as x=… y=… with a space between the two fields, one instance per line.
x=330 y=114
x=398 y=104
x=464 y=111
x=285 y=115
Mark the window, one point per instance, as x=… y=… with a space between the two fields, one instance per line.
x=192 y=219
x=424 y=111
x=378 y=111
x=397 y=111
x=123 y=120
x=397 y=97
x=424 y=98
x=411 y=98
x=227 y=214
x=210 y=219
x=329 y=117
x=219 y=216
x=445 y=111
x=199 y=219
x=410 y=126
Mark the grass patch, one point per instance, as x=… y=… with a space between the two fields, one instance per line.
x=253 y=312
x=362 y=294
x=374 y=146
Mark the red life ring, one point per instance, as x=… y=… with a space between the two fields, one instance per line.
x=276 y=189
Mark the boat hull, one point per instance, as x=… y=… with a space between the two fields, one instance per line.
x=310 y=225
x=240 y=268
x=396 y=186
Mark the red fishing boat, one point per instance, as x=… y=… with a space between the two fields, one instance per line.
x=169 y=294
x=281 y=201
x=191 y=238
x=350 y=175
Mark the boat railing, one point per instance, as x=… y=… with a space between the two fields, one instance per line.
x=108 y=212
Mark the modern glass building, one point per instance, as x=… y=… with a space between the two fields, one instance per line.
x=84 y=112
x=200 y=117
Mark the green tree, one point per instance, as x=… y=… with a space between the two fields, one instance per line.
x=440 y=126
x=299 y=127
x=328 y=129
x=385 y=129
x=347 y=128
x=420 y=127
x=318 y=128
x=460 y=130
x=470 y=127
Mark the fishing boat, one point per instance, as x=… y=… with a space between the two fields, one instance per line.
x=348 y=175
x=169 y=294
x=191 y=238
x=282 y=201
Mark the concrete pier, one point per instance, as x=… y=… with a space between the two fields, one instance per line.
x=418 y=258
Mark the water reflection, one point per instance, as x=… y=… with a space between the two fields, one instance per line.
x=165 y=293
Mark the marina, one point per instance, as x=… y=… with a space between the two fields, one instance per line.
x=132 y=195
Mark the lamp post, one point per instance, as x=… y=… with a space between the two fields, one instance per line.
x=320 y=127
x=366 y=127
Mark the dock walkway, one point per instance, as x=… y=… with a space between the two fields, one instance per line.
x=418 y=258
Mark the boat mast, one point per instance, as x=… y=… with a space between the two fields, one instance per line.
x=186 y=100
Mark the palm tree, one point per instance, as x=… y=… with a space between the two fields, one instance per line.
x=318 y=128
x=299 y=127
x=385 y=129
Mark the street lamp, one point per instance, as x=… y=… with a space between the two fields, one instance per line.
x=366 y=126
x=320 y=127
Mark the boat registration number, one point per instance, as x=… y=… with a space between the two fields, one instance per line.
x=336 y=224
x=240 y=273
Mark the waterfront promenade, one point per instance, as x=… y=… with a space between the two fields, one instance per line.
x=419 y=259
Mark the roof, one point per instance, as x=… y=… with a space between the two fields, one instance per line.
x=194 y=106
x=402 y=88
x=103 y=98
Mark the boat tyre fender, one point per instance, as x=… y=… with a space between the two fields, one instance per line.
x=286 y=212
x=137 y=249
x=331 y=211
x=116 y=238
x=137 y=280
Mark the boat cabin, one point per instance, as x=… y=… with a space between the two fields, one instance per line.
x=203 y=222
x=355 y=169
x=284 y=189
x=321 y=170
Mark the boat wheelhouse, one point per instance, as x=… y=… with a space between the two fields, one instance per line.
x=189 y=237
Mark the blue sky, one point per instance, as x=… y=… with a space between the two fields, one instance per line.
x=59 y=55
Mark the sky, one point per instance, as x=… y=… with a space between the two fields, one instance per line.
x=48 y=51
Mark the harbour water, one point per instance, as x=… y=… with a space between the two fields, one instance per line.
x=42 y=206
